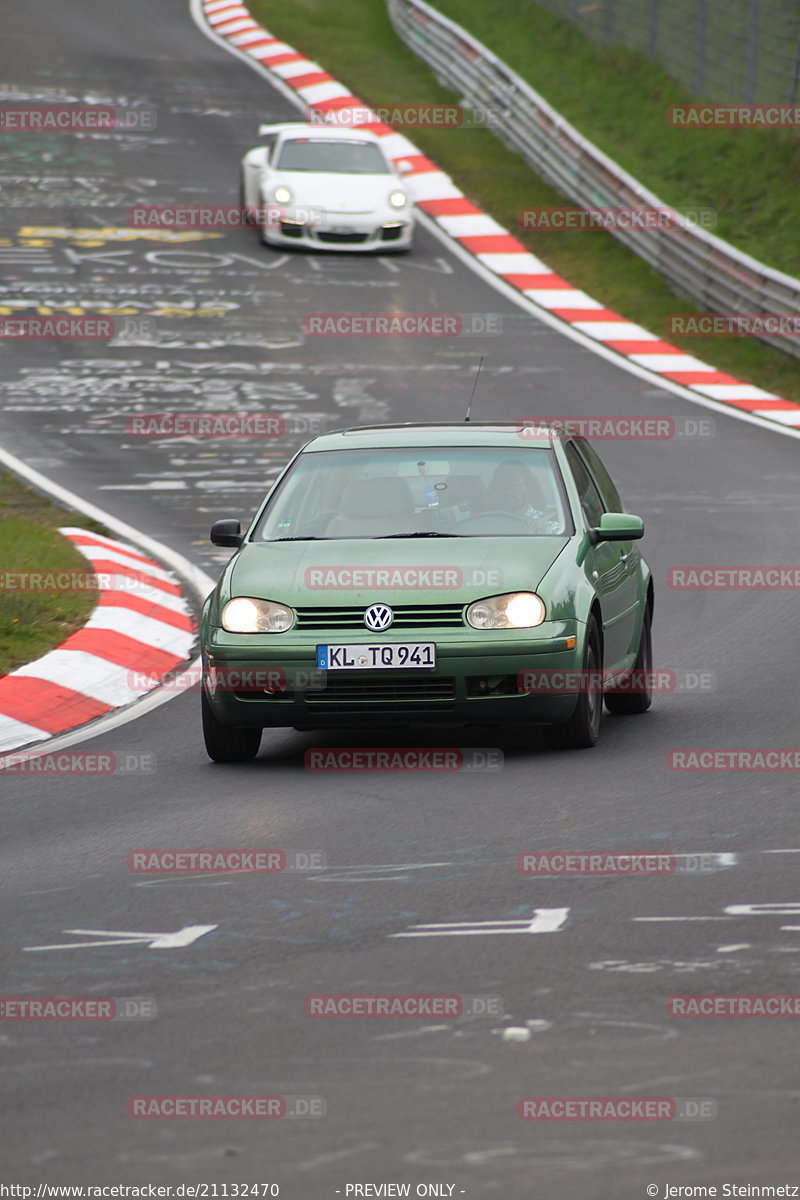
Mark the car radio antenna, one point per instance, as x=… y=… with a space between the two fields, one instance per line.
x=474 y=386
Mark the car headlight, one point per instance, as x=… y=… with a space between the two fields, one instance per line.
x=282 y=194
x=244 y=614
x=514 y=610
x=398 y=199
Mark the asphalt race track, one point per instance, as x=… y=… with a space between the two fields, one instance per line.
x=411 y=1101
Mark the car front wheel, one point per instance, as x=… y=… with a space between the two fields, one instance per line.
x=582 y=730
x=225 y=745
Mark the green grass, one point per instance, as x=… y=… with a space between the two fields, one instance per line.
x=750 y=177
x=620 y=104
x=31 y=623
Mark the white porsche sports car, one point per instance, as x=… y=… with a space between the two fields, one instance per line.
x=327 y=188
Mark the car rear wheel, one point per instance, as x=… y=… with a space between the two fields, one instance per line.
x=640 y=697
x=225 y=745
x=582 y=730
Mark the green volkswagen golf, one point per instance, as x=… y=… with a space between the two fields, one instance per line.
x=430 y=573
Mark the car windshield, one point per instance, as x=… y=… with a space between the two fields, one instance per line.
x=475 y=491
x=337 y=156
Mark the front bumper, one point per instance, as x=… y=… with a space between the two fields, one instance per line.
x=275 y=684
x=347 y=232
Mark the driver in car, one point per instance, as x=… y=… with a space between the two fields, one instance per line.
x=512 y=491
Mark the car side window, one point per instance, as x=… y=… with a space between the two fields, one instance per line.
x=591 y=502
x=608 y=492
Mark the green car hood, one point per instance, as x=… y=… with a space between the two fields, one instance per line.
x=420 y=570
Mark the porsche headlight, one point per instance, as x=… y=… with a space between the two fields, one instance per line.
x=244 y=614
x=282 y=194
x=514 y=610
x=398 y=199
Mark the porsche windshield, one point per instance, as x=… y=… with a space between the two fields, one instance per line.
x=475 y=491
x=336 y=156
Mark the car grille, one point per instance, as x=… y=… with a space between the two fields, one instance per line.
x=391 y=234
x=385 y=691
x=291 y=229
x=353 y=238
x=406 y=616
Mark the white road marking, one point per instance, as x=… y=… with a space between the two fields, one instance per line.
x=679 y=918
x=790 y=908
x=545 y=920
x=155 y=941
x=732 y=947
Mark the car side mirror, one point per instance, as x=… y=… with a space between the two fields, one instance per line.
x=618 y=527
x=404 y=166
x=226 y=533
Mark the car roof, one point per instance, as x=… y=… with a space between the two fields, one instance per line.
x=334 y=132
x=437 y=433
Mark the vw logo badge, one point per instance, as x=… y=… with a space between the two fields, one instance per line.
x=378 y=617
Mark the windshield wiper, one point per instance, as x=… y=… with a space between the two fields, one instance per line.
x=300 y=539
x=418 y=534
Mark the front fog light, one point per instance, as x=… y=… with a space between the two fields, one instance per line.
x=514 y=610
x=244 y=614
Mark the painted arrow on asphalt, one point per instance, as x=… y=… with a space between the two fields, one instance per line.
x=545 y=920
x=115 y=937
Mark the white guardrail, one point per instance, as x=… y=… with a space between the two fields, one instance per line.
x=698 y=265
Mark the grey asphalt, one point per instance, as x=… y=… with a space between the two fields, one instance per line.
x=408 y=1101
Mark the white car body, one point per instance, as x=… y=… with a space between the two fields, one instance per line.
x=327 y=209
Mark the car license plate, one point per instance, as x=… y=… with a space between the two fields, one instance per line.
x=362 y=656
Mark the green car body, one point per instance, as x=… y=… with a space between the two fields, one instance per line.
x=594 y=587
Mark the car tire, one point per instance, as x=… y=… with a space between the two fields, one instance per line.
x=226 y=745
x=628 y=703
x=582 y=729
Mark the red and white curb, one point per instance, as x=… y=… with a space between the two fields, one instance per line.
x=482 y=237
x=141 y=627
